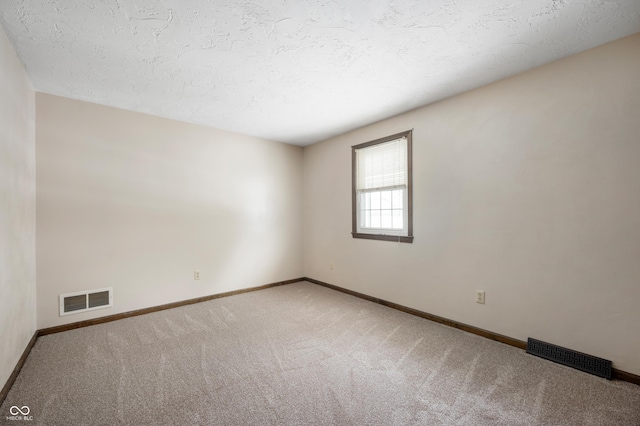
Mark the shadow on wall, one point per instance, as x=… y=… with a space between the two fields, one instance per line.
x=137 y=222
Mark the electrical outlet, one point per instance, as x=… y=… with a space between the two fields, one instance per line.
x=196 y=274
x=480 y=297
x=331 y=265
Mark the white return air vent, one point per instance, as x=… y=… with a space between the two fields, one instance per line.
x=83 y=301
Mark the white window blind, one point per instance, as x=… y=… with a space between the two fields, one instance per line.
x=382 y=193
x=382 y=166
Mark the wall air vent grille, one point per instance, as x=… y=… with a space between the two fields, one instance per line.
x=83 y=301
x=587 y=363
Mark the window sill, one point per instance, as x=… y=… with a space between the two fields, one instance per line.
x=394 y=238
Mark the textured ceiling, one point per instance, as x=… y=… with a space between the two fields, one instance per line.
x=295 y=71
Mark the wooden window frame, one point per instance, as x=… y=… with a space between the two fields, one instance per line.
x=354 y=213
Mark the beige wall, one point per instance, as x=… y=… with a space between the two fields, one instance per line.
x=528 y=188
x=139 y=202
x=17 y=210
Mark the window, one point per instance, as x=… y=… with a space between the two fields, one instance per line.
x=381 y=196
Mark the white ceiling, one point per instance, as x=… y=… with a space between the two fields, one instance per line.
x=295 y=71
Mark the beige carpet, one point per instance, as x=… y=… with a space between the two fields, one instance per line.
x=301 y=354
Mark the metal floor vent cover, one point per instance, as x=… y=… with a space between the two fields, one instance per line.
x=587 y=363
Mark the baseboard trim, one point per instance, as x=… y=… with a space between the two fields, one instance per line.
x=625 y=376
x=137 y=312
x=14 y=374
x=617 y=374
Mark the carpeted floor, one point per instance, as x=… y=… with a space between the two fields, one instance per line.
x=301 y=354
